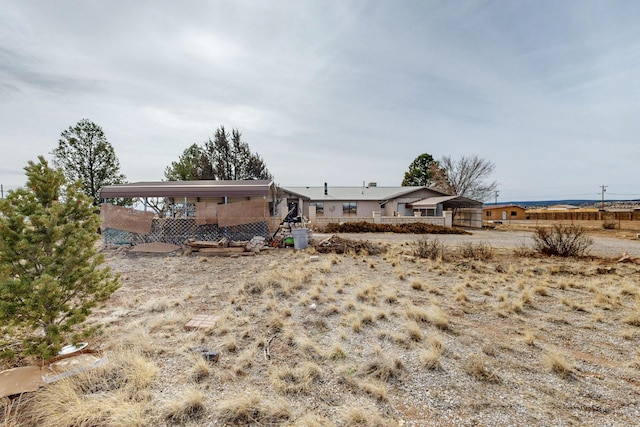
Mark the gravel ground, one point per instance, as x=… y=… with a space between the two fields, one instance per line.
x=518 y=341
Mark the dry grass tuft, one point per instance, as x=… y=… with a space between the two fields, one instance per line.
x=432 y=314
x=299 y=379
x=337 y=352
x=633 y=319
x=541 y=290
x=199 y=368
x=123 y=384
x=137 y=336
x=382 y=367
x=366 y=417
x=309 y=348
x=529 y=338
x=431 y=357
x=573 y=305
x=557 y=363
x=367 y=293
x=413 y=331
x=390 y=296
x=478 y=367
x=189 y=406
x=374 y=388
x=252 y=409
x=461 y=296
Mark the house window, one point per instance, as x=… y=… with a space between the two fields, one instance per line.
x=514 y=213
x=319 y=207
x=349 y=208
x=488 y=213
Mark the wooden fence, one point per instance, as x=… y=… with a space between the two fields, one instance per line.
x=584 y=216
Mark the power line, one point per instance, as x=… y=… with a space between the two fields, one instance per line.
x=603 y=188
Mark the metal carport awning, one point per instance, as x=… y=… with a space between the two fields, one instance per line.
x=204 y=188
x=446 y=201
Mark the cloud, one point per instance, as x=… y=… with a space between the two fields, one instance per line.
x=334 y=91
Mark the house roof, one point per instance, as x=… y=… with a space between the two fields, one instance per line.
x=203 y=188
x=355 y=193
x=506 y=205
x=431 y=202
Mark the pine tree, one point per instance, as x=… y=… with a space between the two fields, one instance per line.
x=420 y=171
x=51 y=275
x=85 y=154
x=226 y=157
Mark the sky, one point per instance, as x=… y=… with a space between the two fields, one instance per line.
x=336 y=91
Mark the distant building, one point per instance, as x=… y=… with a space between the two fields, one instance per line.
x=505 y=212
x=562 y=207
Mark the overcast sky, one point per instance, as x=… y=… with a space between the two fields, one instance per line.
x=335 y=91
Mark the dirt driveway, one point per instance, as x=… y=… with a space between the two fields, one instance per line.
x=603 y=246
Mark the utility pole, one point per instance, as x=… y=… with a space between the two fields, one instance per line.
x=497 y=194
x=603 y=188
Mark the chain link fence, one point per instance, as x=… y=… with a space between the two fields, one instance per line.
x=179 y=230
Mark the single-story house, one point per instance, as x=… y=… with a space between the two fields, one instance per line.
x=326 y=204
x=504 y=212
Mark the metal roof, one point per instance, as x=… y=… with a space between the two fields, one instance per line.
x=355 y=193
x=203 y=188
x=431 y=202
x=447 y=201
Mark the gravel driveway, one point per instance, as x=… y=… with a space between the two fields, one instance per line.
x=604 y=246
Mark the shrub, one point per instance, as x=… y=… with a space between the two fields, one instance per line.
x=369 y=227
x=609 y=224
x=561 y=240
x=479 y=251
x=430 y=249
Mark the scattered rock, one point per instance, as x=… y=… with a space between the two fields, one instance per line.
x=256 y=244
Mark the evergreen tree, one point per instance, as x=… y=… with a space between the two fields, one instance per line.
x=420 y=171
x=84 y=154
x=50 y=272
x=190 y=166
x=226 y=157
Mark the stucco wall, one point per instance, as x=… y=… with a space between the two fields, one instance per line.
x=496 y=213
x=443 y=221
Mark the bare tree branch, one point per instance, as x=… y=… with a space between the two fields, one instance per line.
x=467 y=176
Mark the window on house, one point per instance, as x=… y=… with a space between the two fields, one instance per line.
x=349 y=208
x=488 y=213
x=514 y=213
x=319 y=207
